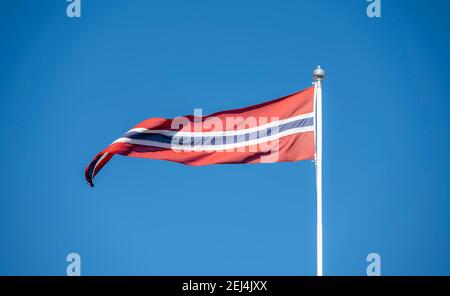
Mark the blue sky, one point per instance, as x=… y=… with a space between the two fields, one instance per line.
x=68 y=87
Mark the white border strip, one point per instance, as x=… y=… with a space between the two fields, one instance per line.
x=222 y=133
x=96 y=164
x=216 y=147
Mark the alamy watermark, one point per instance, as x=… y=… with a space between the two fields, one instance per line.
x=73 y=8
x=374 y=267
x=74 y=266
x=374 y=8
x=228 y=134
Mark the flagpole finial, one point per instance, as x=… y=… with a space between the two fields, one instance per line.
x=318 y=74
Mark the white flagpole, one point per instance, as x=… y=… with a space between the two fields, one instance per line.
x=318 y=75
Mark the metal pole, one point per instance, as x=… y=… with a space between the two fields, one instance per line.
x=318 y=75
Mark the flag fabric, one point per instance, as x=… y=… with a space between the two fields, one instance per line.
x=281 y=130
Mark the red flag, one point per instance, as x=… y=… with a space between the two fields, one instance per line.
x=276 y=131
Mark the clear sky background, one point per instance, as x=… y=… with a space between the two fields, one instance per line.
x=69 y=87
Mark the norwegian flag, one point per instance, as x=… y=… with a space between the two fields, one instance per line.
x=281 y=130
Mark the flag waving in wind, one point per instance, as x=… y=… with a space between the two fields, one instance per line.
x=276 y=131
